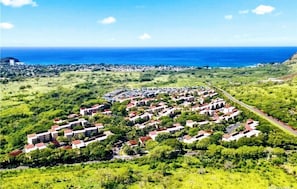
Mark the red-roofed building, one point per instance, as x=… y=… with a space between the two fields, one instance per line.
x=58 y=121
x=40 y=146
x=54 y=133
x=32 y=138
x=78 y=144
x=249 y=121
x=132 y=143
x=68 y=133
x=15 y=153
x=99 y=125
x=142 y=140
x=29 y=148
x=55 y=127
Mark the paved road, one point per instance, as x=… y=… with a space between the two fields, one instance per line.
x=272 y=120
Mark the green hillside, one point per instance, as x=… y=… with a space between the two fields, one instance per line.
x=267 y=161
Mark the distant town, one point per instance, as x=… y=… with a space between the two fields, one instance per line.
x=12 y=68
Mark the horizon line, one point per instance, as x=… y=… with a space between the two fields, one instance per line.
x=144 y=46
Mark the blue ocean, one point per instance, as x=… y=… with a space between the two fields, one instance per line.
x=192 y=56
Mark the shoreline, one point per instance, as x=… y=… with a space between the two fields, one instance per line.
x=21 y=70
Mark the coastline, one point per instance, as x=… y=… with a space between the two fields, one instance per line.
x=215 y=57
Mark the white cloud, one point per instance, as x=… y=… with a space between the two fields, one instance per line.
x=144 y=36
x=263 y=9
x=108 y=20
x=6 y=25
x=18 y=3
x=244 y=11
x=228 y=17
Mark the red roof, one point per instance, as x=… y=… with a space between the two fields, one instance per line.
x=15 y=152
x=226 y=136
x=249 y=121
x=99 y=125
x=248 y=127
x=162 y=129
x=132 y=142
x=76 y=142
x=29 y=146
x=145 y=138
x=153 y=133
x=202 y=132
x=41 y=144
x=51 y=130
x=176 y=124
x=187 y=137
x=67 y=131
x=55 y=126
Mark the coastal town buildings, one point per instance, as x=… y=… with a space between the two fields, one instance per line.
x=146 y=110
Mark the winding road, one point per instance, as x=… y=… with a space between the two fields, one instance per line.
x=272 y=120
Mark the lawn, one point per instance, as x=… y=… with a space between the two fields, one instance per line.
x=134 y=176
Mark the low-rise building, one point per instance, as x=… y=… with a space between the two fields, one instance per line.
x=29 y=148
x=89 y=111
x=201 y=135
x=144 y=139
x=191 y=123
x=68 y=133
x=78 y=144
x=250 y=131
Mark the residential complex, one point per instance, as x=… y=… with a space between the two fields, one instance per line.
x=146 y=110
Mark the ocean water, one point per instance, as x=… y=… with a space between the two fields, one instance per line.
x=193 y=56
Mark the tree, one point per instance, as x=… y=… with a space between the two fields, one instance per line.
x=149 y=145
x=203 y=144
x=128 y=150
x=163 y=136
x=174 y=143
x=161 y=152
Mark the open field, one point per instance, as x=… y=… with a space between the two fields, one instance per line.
x=275 y=99
x=183 y=173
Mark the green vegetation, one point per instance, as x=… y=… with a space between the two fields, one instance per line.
x=183 y=172
x=24 y=111
x=277 y=99
x=266 y=161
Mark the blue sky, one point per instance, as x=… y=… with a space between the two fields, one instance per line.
x=147 y=23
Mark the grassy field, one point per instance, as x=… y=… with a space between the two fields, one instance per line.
x=276 y=99
x=15 y=93
x=134 y=176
